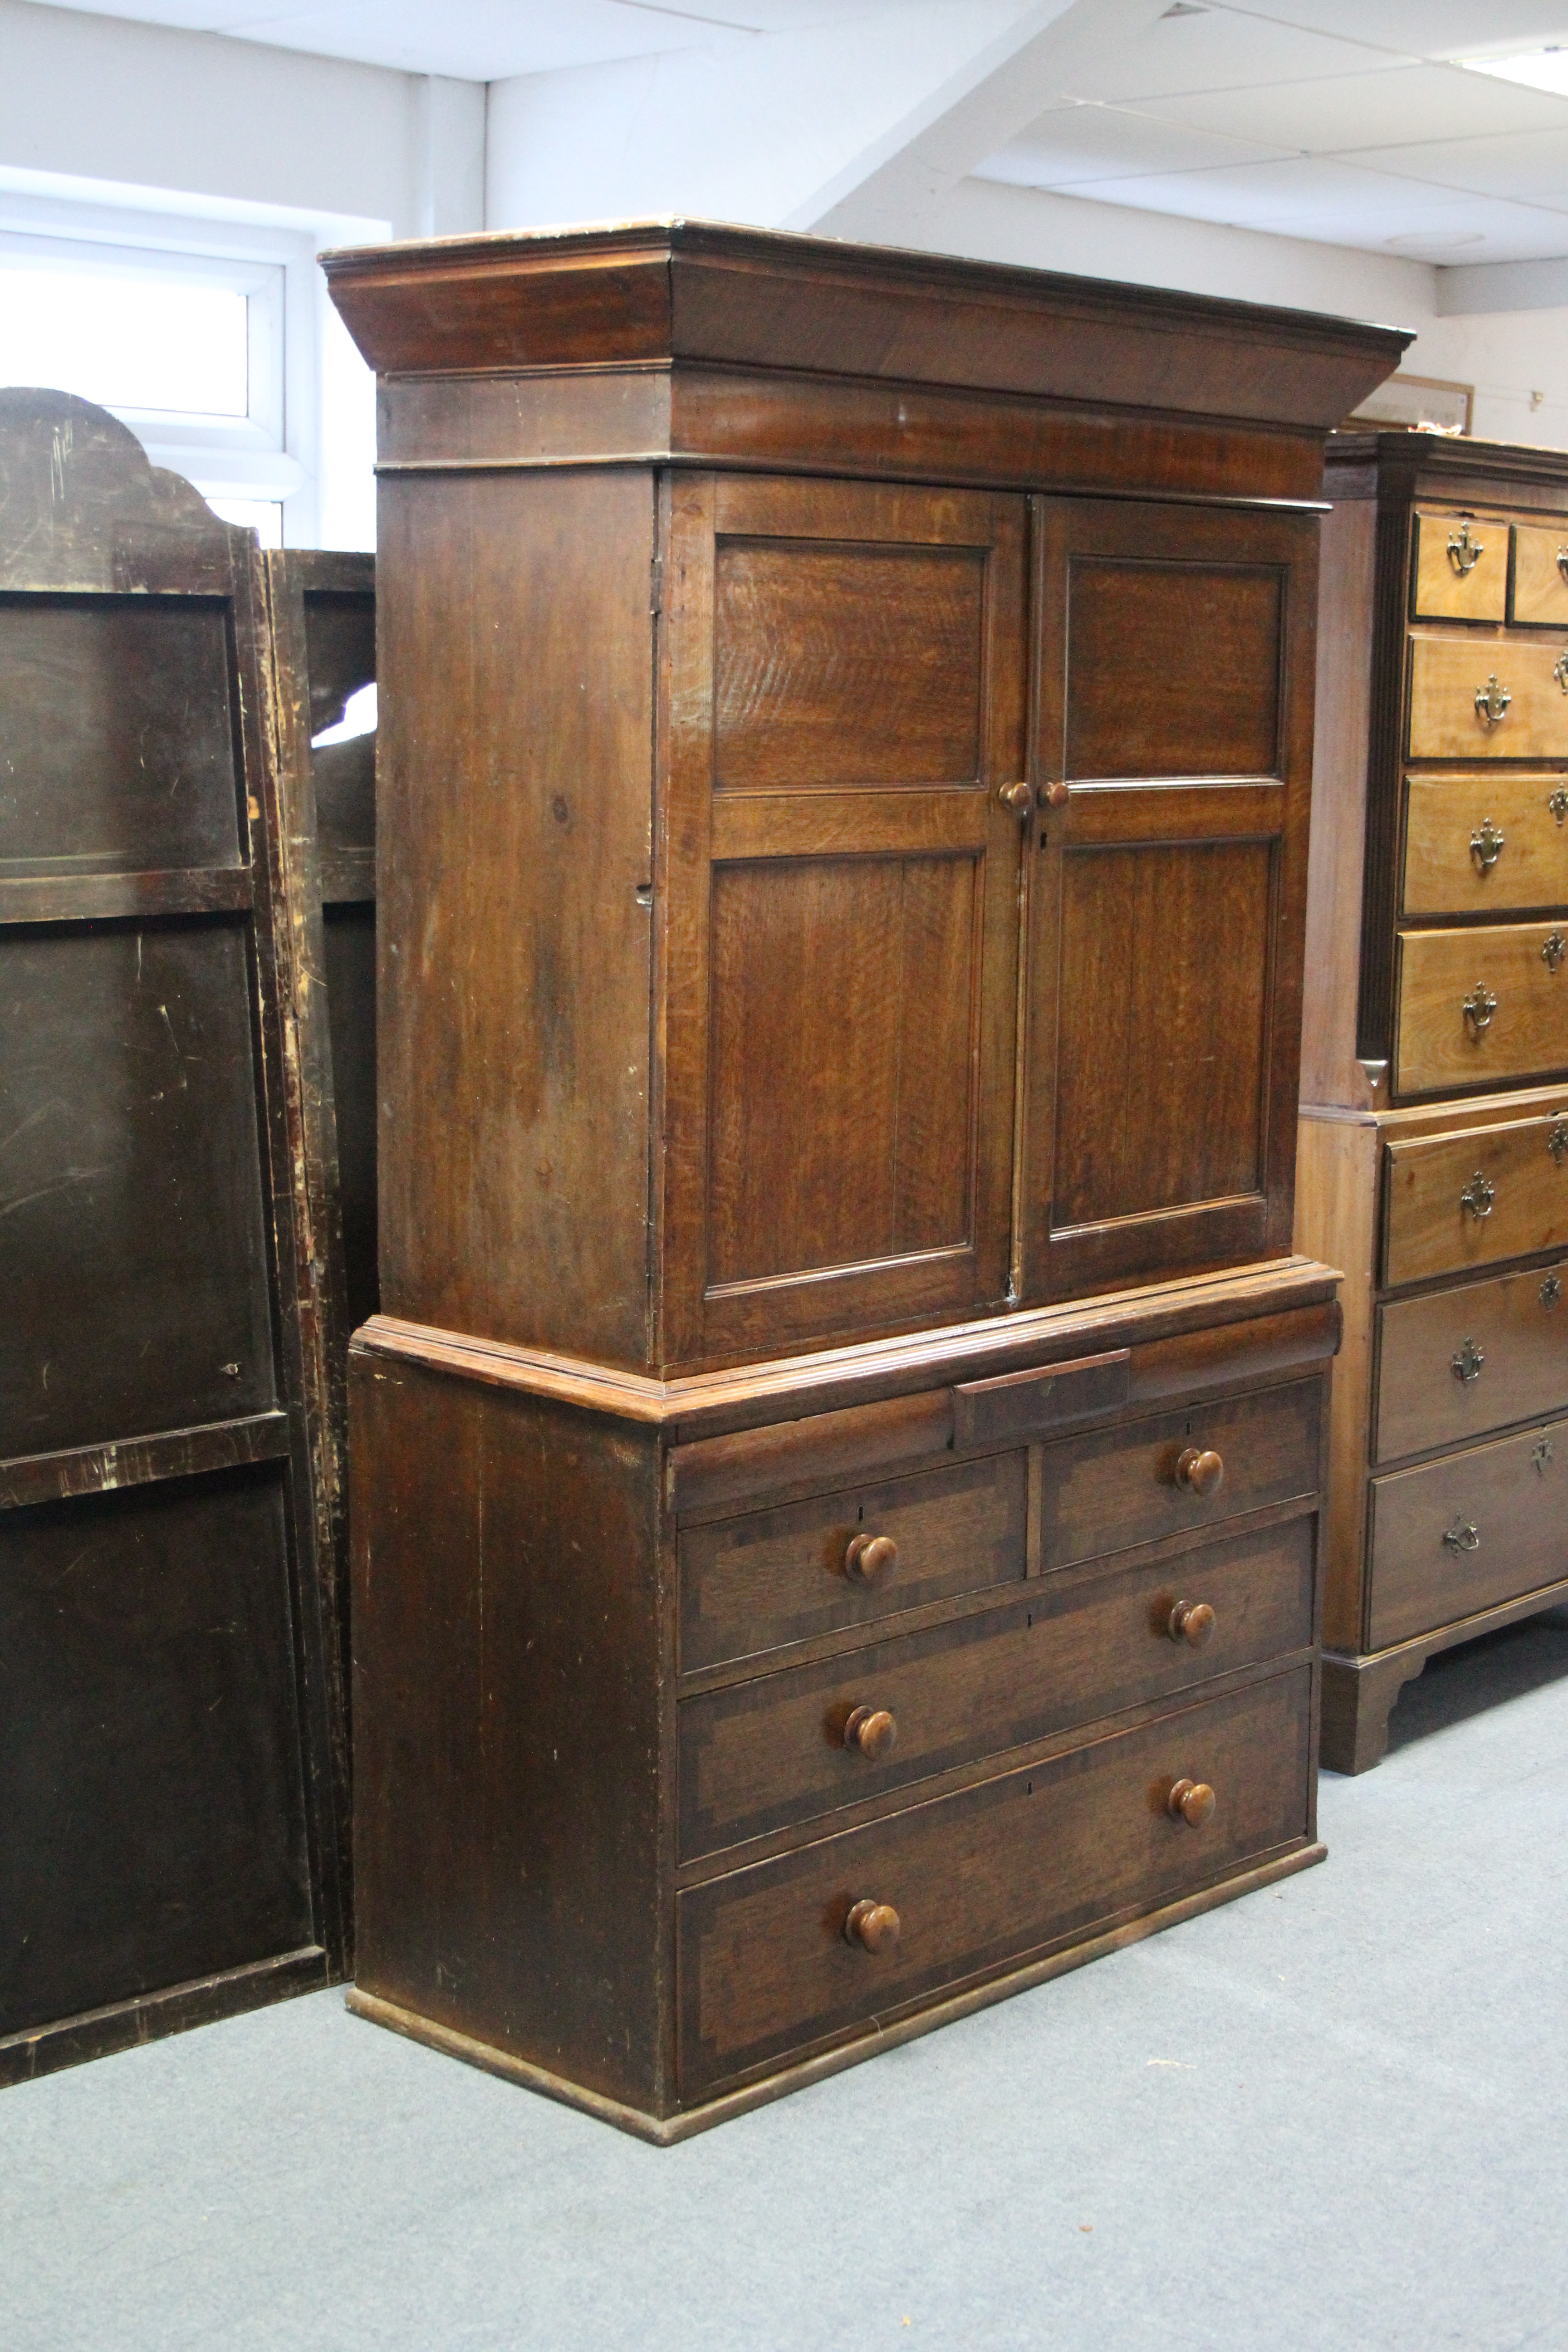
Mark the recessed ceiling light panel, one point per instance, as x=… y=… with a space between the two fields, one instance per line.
x=1544 y=68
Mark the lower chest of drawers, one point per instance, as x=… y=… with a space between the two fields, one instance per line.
x=687 y=1769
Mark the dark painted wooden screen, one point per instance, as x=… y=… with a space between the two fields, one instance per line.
x=171 y=1740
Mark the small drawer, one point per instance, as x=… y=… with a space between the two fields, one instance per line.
x=1539 y=595
x=1472 y=1198
x=1134 y=1484
x=766 y=1754
x=1481 y=698
x=1477 y=1528
x=1486 y=843
x=1456 y=1364
x=1481 y=1008
x=1458 y=568
x=748 y=1584
x=984 y=1878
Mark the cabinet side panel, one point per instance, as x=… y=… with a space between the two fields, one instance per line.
x=1336 y=1221
x=1330 y=1073
x=506 y=1640
x=514 y=965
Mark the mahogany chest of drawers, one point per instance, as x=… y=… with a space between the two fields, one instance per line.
x=842 y=798
x=1437 y=935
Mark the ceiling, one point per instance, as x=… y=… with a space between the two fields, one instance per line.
x=1346 y=122
x=488 y=40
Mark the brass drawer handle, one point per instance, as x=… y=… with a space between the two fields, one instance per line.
x=1190 y=1622
x=1200 y=1470
x=873 y=1925
x=1478 y=1009
x=1017 y=799
x=869 y=1560
x=1563 y=562
x=1551 y=1291
x=1557 y=802
x=1493 y=700
x=1191 y=1802
x=1541 y=1454
x=1486 y=844
x=1479 y=1195
x=1465 y=552
x=1553 y=949
x=1468 y=1362
x=872 y=1731
x=1560 y=669
x=1557 y=1141
x=1463 y=1536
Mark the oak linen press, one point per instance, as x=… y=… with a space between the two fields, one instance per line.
x=837 y=1470
x=1435 y=1082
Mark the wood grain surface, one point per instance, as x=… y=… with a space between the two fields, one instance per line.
x=1440 y=1049
x=1447 y=673
x=1429 y=1224
x=1515 y=1326
x=1440 y=589
x=1445 y=872
x=1511 y=1494
x=1540 y=592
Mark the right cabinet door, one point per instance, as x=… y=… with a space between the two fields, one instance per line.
x=1171 y=736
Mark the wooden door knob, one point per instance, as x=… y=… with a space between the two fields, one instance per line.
x=870 y=1559
x=1056 y=793
x=1191 y=1620
x=1018 y=798
x=1200 y=1471
x=1191 y=1802
x=872 y=1731
x=873 y=1925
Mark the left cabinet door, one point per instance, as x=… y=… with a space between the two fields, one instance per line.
x=843 y=703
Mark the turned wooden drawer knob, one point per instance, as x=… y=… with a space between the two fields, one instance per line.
x=1200 y=1471
x=873 y=1925
x=1191 y=1802
x=872 y=1731
x=1056 y=794
x=1018 y=798
x=869 y=1558
x=1191 y=1620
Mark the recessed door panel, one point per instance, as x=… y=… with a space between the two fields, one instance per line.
x=842 y=1129
x=846 y=665
x=1161 y=1040
x=1171 y=759
x=1172 y=667
x=845 y=690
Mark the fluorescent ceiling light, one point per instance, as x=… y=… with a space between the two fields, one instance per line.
x=1544 y=68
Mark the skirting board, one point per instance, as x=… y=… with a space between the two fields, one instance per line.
x=126 y=2024
x=664 y=2132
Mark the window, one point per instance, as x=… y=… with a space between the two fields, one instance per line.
x=212 y=338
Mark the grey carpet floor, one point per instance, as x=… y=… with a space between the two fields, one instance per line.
x=1333 y=2116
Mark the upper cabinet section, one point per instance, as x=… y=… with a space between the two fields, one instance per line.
x=843 y=770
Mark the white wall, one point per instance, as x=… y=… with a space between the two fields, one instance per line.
x=101 y=113
x=1517 y=359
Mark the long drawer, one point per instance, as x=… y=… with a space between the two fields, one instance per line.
x=982 y=1878
x=1540 y=592
x=771 y=1752
x=1474 y=1197
x=1479 y=1527
x=1487 y=698
x=1116 y=1487
x=1456 y=1364
x=1487 y=843
x=1482 y=1007
x=751 y=1583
